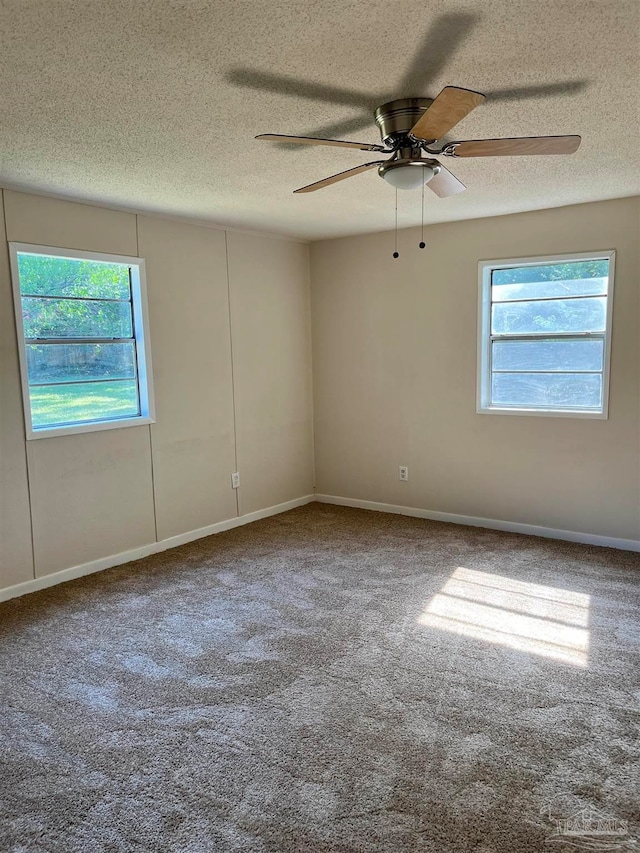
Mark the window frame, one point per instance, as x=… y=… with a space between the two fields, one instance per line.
x=483 y=387
x=141 y=337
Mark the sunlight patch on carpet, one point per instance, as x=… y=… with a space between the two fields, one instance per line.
x=527 y=617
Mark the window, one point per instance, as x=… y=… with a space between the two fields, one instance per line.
x=82 y=332
x=545 y=335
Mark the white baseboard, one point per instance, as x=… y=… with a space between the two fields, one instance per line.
x=146 y=550
x=181 y=539
x=491 y=523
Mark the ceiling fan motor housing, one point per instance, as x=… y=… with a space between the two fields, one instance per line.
x=396 y=118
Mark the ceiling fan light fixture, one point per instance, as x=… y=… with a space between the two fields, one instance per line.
x=408 y=175
x=408 y=126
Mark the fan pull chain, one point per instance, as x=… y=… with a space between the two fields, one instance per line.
x=396 y=253
x=422 y=243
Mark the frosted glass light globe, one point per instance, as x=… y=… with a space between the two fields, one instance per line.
x=410 y=176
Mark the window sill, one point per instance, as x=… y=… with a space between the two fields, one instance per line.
x=544 y=413
x=50 y=432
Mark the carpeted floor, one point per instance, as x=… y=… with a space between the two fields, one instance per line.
x=326 y=680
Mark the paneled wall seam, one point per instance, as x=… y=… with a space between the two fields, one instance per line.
x=154 y=214
x=153 y=482
x=26 y=455
x=311 y=378
x=29 y=491
x=153 y=485
x=127 y=489
x=233 y=379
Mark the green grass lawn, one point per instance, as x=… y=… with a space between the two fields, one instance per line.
x=78 y=403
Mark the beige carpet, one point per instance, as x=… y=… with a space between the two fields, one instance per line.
x=327 y=680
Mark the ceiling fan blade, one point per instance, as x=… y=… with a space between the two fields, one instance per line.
x=513 y=147
x=339 y=177
x=450 y=107
x=314 y=140
x=445 y=183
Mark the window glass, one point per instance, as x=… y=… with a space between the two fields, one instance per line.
x=549 y=315
x=83 y=339
x=544 y=329
x=59 y=363
x=52 y=405
x=547 y=390
x=75 y=318
x=547 y=355
x=42 y=275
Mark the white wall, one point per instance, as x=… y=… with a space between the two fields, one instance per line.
x=394 y=355
x=15 y=518
x=192 y=439
x=394 y=383
x=272 y=371
x=70 y=500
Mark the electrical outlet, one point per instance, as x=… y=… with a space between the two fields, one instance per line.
x=404 y=473
x=235 y=480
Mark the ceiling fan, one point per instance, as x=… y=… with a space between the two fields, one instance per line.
x=410 y=127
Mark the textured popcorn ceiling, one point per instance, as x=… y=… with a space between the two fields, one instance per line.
x=153 y=104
